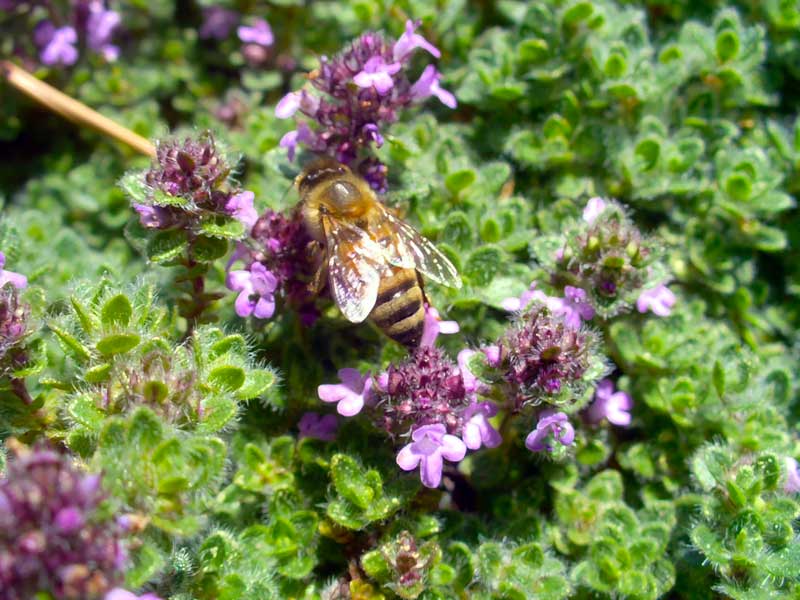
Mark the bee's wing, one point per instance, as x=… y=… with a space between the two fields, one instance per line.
x=405 y=247
x=355 y=264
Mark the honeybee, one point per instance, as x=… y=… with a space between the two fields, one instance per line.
x=372 y=259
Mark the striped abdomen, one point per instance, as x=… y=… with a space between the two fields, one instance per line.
x=399 y=311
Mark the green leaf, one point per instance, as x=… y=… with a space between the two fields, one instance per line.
x=226 y=377
x=218 y=411
x=208 y=249
x=166 y=246
x=257 y=381
x=223 y=227
x=70 y=344
x=88 y=321
x=580 y=11
x=458 y=181
x=350 y=481
x=483 y=264
x=85 y=413
x=145 y=430
x=117 y=311
x=161 y=198
x=134 y=186
x=457 y=230
x=98 y=373
x=119 y=343
x=727 y=45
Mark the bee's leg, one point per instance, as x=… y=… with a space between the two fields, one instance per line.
x=316 y=256
x=421 y=285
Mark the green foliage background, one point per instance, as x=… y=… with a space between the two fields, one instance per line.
x=687 y=112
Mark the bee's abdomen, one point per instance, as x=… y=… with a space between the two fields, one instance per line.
x=399 y=310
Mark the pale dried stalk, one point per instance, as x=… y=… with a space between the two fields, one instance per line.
x=71 y=109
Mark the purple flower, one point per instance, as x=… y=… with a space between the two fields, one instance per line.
x=315 y=425
x=550 y=423
x=377 y=73
x=301 y=135
x=260 y=33
x=294 y=101
x=594 y=207
x=573 y=307
x=428 y=85
x=517 y=304
x=430 y=446
x=100 y=26
x=58 y=45
x=121 y=594
x=477 y=429
x=256 y=287
x=493 y=355
x=610 y=405
x=217 y=22
x=792 y=483
x=433 y=326
x=52 y=536
x=659 y=300
x=472 y=384
x=153 y=217
x=407 y=42
x=350 y=395
x=371 y=131
x=15 y=279
x=240 y=207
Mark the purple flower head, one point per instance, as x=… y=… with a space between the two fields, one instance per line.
x=350 y=395
x=217 y=22
x=57 y=45
x=573 y=307
x=193 y=170
x=433 y=326
x=15 y=279
x=100 y=26
x=378 y=74
x=122 y=594
x=659 y=300
x=356 y=94
x=792 y=483
x=428 y=85
x=407 y=42
x=477 y=429
x=260 y=33
x=594 y=207
x=516 y=304
x=315 y=425
x=240 y=207
x=256 y=289
x=610 y=405
x=543 y=355
x=427 y=388
x=550 y=423
x=52 y=536
x=431 y=445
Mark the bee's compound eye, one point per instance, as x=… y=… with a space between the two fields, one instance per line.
x=343 y=193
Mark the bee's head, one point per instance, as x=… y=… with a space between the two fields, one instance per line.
x=319 y=171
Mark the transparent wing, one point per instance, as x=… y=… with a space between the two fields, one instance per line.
x=405 y=247
x=355 y=264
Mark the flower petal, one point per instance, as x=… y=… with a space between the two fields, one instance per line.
x=431 y=470
x=407 y=459
x=453 y=449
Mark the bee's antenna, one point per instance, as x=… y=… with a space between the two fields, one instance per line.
x=72 y=109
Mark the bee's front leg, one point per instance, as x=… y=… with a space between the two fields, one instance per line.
x=316 y=256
